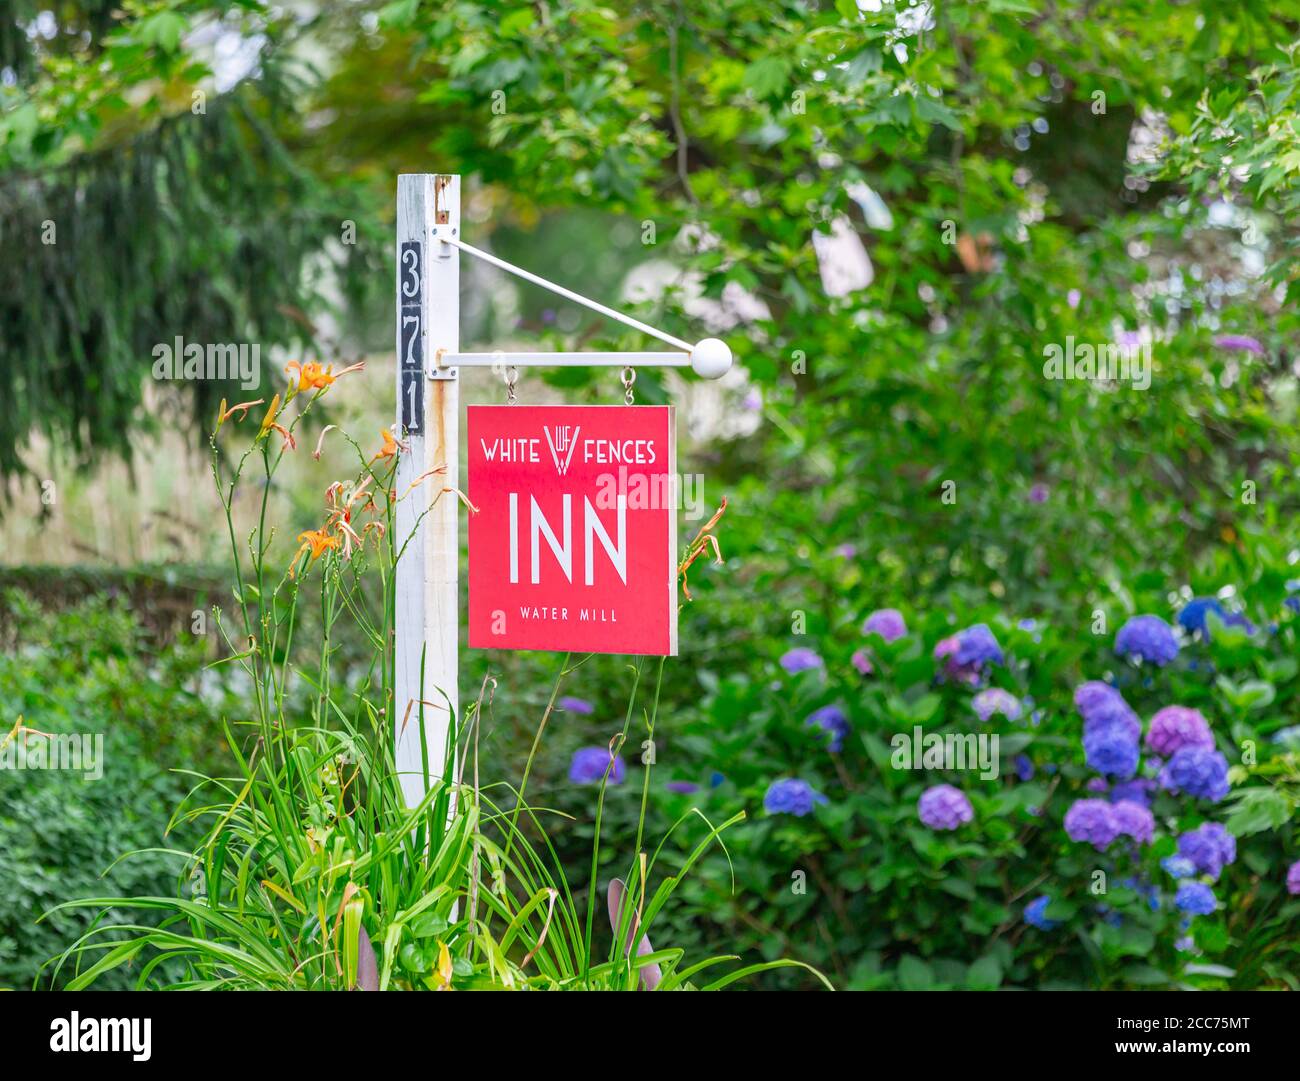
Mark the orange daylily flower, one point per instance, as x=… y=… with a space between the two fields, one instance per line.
x=390 y=448
x=269 y=419
x=241 y=408
x=701 y=543
x=290 y=443
x=320 y=443
x=314 y=377
x=315 y=541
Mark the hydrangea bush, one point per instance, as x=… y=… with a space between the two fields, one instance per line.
x=1140 y=830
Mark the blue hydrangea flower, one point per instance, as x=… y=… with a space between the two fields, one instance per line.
x=1112 y=750
x=588 y=766
x=1148 y=638
x=1103 y=708
x=1195 y=898
x=791 y=796
x=1092 y=820
x=716 y=779
x=1293 y=603
x=800 y=659
x=1192 y=616
x=1209 y=848
x=943 y=807
x=996 y=700
x=1024 y=768
x=1143 y=889
x=1034 y=914
x=1197 y=771
x=1094 y=694
x=833 y=721
x=1178 y=866
x=574 y=705
x=1137 y=790
x=977 y=646
x=886 y=622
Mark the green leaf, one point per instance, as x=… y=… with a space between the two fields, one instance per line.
x=914 y=974
x=766 y=77
x=984 y=974
x=163 y=30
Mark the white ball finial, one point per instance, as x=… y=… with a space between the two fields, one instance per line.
x=711 y=358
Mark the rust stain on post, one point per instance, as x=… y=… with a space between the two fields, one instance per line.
x=441 y=215
x=438 y=414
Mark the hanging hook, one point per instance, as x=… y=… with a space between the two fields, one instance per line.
x=512 y=377
x=629 y=380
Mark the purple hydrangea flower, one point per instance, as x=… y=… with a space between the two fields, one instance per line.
x=1178 y=866
x=800 y=659
x=1176 y=727
x=1137 y=790
x=1034 y=914
x=1111 y=750
x=1135 y=821
x=1092 y=820
x=996 y=700
x=1093 y=695
x=1149 y=638
x=1195 y=898
x=861 y=662
x=1197 y=771
x=846 y=551
x=1242 y=342
x=1038 y=493
x=791 y=796
x=832 y=720
x=943 y=807
x=1098 y=785
x=588 y=766
x=1293 y=878
x=574 y=705
x=684 y=788
x=1209 y=848
x=886 y=622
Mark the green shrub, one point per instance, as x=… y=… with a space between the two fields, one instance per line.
x=86 y=670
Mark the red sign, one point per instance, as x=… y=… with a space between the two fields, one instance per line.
x=575 y=540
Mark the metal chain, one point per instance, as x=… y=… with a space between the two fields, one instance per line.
x=629 y=380
x=512 y=377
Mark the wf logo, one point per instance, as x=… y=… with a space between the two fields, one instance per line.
x=561 y=444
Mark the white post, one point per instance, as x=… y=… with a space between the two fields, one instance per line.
x=428 y=418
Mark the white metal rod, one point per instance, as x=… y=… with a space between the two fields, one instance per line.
x=565 y=360
x=569 y=294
